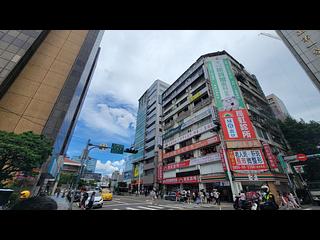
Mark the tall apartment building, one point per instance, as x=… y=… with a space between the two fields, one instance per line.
x=44 y=78
x=218 y=88
x=148 y=136
x=305 y=47
x=279 y=109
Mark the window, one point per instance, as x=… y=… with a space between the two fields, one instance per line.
x=186 y=156
x=168 y=161
x=207 y=150
x=199 y=89
x=186 y=143
x=169 y=149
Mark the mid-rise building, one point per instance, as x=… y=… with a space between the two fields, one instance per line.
x=196 y=154
x=70 y=166
x=148 y=136
x=44 y=78
x=305 y=47
x=278 y=108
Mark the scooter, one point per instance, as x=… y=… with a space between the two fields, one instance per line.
x=245 y=205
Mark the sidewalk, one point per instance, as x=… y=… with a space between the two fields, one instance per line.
x=63 y=203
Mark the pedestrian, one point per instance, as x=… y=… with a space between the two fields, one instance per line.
x=194 y=197
x=242 y=198
x=208 y=197
x=83 y=199
x=188 y=197
x=211 y=197
x=177 y=195
x=91 y=200
x=217 y=196
x=293 y=200
x=58 y=191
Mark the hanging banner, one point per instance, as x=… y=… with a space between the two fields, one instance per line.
x=271 y=158
x=176 y=165
x=224 y=84
x=223 y=159
x=236 y=125
x=247 y=160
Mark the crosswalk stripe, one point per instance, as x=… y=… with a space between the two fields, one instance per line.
x=171 y=206
x=146 y=208
x=115 y=209
x=156 y=207
x=129 y=208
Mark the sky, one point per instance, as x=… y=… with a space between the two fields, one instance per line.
x=130 y=61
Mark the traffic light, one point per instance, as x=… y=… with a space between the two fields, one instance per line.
x=103 y=146
x=131 y=150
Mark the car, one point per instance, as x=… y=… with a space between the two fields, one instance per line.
x=170 y=196
x=98 y=201
x=106 y=195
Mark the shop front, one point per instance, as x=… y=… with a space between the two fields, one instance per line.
x=220 y=183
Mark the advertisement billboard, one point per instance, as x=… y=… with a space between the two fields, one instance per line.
x=247 y=160
x=176 y=165
x=224 y=84
x=190 y=179
x=236 y=125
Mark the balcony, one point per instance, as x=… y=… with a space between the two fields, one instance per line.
x=149 y=179
x=150 y=135
x=149 y=144
x=169 y=125
x=202 y=104
x=148 y=166
x=183 y=115
x=149 y=154
x=151 y=120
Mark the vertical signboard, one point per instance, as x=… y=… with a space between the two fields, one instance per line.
x=236 y=125
x=271 y=158
x=224 y=85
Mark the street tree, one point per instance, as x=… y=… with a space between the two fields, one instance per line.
x=21 y=153
x=67 y=178
x=303 y=137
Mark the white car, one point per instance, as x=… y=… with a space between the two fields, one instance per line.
x=98 y=201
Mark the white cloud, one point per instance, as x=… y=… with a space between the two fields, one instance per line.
x=109 y=167
x=112 y=121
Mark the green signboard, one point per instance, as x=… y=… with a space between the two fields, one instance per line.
x=224 y=85
x=117 y=148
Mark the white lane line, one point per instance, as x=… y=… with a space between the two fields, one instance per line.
x=168 y=206
x=146 y=208
x=112 y=205
x=156 y=207
x=118 y=201
x=129 y=208
x=115 y=209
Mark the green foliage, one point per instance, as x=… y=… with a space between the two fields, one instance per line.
x=21 y=152
x=302 y=137
x=67 y=178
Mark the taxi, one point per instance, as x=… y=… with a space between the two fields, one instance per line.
x=106 y=195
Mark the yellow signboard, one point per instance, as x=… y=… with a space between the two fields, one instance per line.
x=194 y=97
x=136 y=171
x=243 y=144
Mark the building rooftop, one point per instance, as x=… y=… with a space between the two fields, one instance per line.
x=68 y=161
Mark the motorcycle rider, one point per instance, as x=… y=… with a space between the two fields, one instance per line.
x=268 y=200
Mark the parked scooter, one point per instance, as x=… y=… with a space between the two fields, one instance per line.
x=244 y=205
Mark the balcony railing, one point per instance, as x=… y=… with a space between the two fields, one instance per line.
x=169 y=125
x=148 y=166
x=149 y=144
x=183 y=115
x=202 y=104
x=149 y=154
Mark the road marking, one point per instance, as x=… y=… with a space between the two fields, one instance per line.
x=146 y=208
x=170 y=206
x=156 y=207
x=129 y=208
x=115 y=209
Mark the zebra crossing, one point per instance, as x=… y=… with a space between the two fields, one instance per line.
x=148 y=207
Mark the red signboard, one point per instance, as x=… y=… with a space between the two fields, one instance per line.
x=301 y=157
x=271 y=158
x=191 y=179
x=236 y=125
x=176 y=165
x=160 y=172
x=247 y=160
x=194 y=146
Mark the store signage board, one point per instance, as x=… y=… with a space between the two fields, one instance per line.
x=247 y=160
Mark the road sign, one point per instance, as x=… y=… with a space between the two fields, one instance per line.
x=301 y=157
x=117 y=148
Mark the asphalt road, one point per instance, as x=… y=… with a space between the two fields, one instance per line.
x=145 y=203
